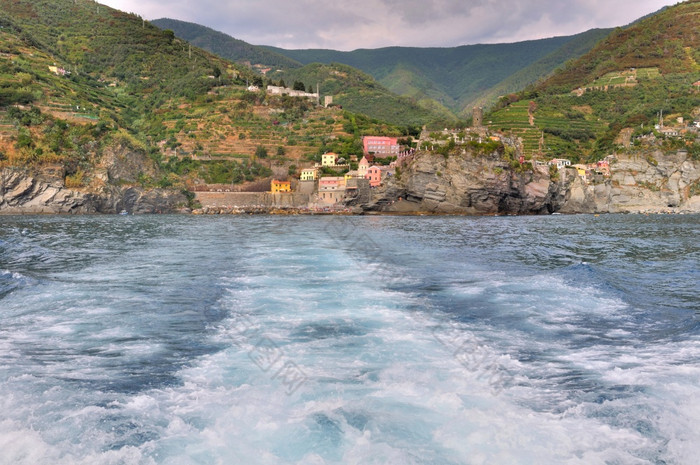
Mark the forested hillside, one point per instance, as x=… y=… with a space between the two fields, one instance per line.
x=226 y=46
x=458 y=77
x=639 y=88
x=451 y=79
x=358 y=92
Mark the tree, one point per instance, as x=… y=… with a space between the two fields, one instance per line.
x=282 y=84
x=280 y=151
x=298 y=85
x=261 y=152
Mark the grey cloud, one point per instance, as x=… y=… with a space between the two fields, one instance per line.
x=355 y=24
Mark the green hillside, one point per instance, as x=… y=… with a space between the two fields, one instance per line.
x=667 y=40
x=226 y=46
x=438 y=79
x=352 y=89
x=78 y=79
x=620 y=87
x=544 y=67
x=360 y=93
x=458 y=77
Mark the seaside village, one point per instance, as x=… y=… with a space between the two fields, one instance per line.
x=328 y=184
x=332 y=181
x=332 y=189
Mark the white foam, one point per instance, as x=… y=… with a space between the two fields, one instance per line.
x=384 y=383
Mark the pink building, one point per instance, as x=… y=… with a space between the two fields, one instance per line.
x=331 y=190
x=381 y=146
x=331 y=183
x=374 y=174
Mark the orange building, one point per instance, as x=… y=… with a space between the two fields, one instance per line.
x=280 y=186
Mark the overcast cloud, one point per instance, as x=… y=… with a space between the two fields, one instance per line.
x=353 y=24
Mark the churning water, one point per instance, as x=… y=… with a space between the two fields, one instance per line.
x=359 y=340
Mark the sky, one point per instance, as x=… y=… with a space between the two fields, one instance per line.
x=353 y=24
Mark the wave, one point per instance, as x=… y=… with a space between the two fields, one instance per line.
x=11 y=281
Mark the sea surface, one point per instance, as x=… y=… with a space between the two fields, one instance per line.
x=349 y=340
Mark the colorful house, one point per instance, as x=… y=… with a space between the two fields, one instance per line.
x=559 y=163
x=382 y=146
x=309 y=174
x=331 y=183
x=582 y=171
x=374 y=174
x=58 y=71
x=331 y=189
x=280 y=186
x=328 y=159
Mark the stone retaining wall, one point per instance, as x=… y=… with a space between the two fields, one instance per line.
x=250 y=199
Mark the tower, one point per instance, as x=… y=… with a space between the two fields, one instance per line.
x=477 y=117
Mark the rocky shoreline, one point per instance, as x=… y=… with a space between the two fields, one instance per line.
x=488 y=185
x=432 y=184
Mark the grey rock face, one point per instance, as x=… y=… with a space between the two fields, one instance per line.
x=22 y=191
x=482 y=185
x=464 y=184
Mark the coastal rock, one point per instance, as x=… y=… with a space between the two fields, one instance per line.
x=486 y=184
x=21 y=192
x=123 y=164
x=467 y=184
x=111 y=188
x=641 y=183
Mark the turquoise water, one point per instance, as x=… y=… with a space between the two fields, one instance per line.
x=328 y=340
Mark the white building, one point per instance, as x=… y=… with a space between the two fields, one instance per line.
x=559 y=163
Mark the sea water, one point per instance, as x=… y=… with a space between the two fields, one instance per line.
x=349 y=340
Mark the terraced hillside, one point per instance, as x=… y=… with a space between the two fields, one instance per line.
x=606 y=101
x=78 y=79
x=547 y=132
x=241 y=122
x=626 y=78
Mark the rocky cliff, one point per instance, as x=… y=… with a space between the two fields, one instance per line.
x=22 y=193
x=462 y=183
x=112 y=188
x=640 y=183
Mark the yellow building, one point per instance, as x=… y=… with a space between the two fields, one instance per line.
x=581 y=170
x=309 y=174
x=280 y=186
x=328 y=159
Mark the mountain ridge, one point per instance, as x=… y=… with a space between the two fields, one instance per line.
x=454 y=77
